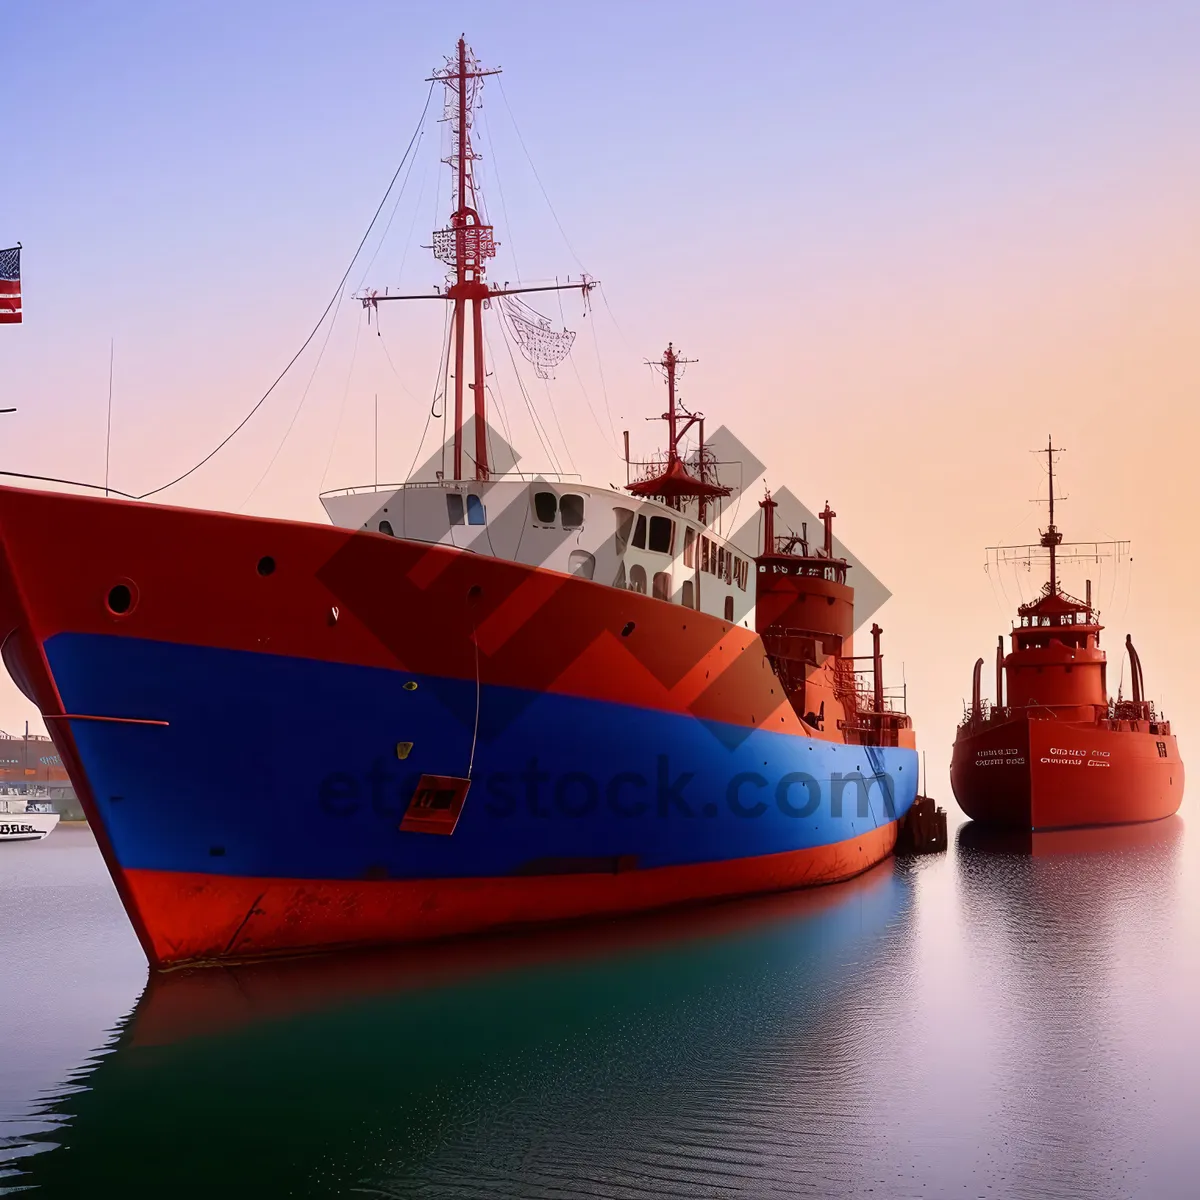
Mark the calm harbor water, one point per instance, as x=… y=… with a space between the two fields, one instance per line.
x=1012 y=1020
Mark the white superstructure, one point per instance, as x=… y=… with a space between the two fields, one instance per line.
x=601 y=534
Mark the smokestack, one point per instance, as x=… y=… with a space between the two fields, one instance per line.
x=1000 y=671
x=877 y=663
x=1135 y=664
x=768 y=506
x=976 y=690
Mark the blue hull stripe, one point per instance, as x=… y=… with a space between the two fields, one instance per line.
x=288 y=768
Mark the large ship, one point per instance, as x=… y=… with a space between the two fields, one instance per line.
x=35 y=791
x=30 y=762
x=483 y=700
x=1053 y=750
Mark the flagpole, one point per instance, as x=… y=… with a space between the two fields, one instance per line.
x=108 y=431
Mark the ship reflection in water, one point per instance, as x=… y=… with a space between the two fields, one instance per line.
x=506 y=1066
x=1076 y=939
x=1013 y=1018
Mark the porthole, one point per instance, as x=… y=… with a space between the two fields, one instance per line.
x=266 y=565
x=120 y=599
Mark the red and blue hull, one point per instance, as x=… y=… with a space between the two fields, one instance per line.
x=236 y=734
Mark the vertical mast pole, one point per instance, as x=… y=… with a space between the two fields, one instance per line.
x=108 y=428
x=460 y=266
x=459 y=314
x=877 y=669
x=1053 y=547
x=669 y=363
x=481 y=461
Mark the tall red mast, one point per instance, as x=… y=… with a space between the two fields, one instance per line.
x=1052 y=539
x=671 y=481
x=464 y=245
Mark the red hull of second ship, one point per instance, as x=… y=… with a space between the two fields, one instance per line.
x=1054 y=750
x=1047 y=774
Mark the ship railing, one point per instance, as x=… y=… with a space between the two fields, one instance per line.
x=507 y=477
x=990 y=714
x=1131 y=710
x=895 y=699
x=644 y=469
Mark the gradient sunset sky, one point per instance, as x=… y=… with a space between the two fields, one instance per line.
x=906 y=243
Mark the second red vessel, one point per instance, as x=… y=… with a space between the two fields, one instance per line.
x=1054 y=751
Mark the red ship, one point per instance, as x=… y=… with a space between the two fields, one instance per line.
x=483 y=700
x=1060 y=753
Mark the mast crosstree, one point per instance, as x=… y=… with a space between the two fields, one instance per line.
x=465 y=245
x=1056 y=551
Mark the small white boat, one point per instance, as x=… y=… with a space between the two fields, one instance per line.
x=25 y=820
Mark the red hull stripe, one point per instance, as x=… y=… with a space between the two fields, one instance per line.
x=68 y=552
x=192 y=917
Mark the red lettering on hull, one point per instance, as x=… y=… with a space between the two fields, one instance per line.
x=1065 y=775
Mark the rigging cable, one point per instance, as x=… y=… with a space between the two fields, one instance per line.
x=545 y=196
x=612 y=445
x=342 y=410
x=495 y=389
x=443 y=360
x=558 y=425
x=512 y=248
x=412 y=225
x=1128 y=588
x=388 y=355
x=392 y=216
x=279 y=379
x=303 y=397
x=528 y=403
x=603 y=385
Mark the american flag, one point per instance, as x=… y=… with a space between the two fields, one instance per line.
x=10 y=286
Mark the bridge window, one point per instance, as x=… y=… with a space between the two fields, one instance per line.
x=662 y=534
x=662 y=585
x=729 y=608
x=705 y=553
x=475 y=511
x=639 y=532
x=454 y=507
x=689 y=592
x=624 y=527
x=619 y=581
x=545 y=507
x=386 y=527
x=571 y=507
x=582 y=563
x=637 y=580
x=689 y=547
